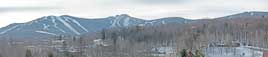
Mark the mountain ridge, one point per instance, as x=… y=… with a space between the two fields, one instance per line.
x=70 y=25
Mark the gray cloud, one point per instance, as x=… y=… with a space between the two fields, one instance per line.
x=162 y=1
x=26 y=8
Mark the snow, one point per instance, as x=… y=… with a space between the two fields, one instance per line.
x=123 y=19
x=115 y=22
x=126 y=22
x=163 y=22
x=257 y=48
x=58 y=41
x=55 y=25
x=3 y=32
x=231 y=52
x=44 y=32
x=99 y=42
x=77 y=23
x=251 y=13
x=163 y=51
x=141 y=25
x=67 y=20
x=150 y=22
x=45 y=26
x=68 y=25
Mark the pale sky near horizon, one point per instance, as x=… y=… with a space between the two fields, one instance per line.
x=19 y=11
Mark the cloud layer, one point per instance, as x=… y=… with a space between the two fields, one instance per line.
x=18 y=9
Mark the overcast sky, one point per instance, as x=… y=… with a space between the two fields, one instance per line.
x=18 y=11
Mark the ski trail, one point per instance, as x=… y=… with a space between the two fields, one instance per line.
x=126 y=22
x=55 y=25
x=44 y=32
x=3 y=32
x=77 y=23
x=68 y=25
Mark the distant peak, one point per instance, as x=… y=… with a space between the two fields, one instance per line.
x=122 y=15
x=58 y=16
x=175 y=17
x=65 y=16
x=54 y=16
x=254 y=12
x=245 y=14
x=172 y=18
x=50 y=16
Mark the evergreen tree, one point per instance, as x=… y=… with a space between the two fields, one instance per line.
x=198 y=53
x=28 y=53
x=183 y=53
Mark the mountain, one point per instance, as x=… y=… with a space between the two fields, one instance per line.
x=247 y=15
x=69 y=25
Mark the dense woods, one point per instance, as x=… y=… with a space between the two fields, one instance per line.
x=190 y=36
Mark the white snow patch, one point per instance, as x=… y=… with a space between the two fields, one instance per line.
x=231 y=52
x=77 y=23
x=115 y=22
x=45 y=26
x=163 y=22
x=66 y=19
x=68 y=25
x=141 y=24
x=150 y=22
x=258 y=48
x=3 y=32
x=55 y=25
x=163 y=51
x=44 y=32
x=126 y=22
x=118 y=21
x=251 y=13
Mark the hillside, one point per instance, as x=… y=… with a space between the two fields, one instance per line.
x=48 y=26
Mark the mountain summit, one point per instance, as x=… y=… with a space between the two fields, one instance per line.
x=250 y=15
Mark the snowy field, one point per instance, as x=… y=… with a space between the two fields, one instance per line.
x=231 y=52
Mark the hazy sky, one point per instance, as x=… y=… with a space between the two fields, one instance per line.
x=18 y=11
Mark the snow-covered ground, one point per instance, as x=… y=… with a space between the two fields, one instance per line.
x=163 y=51
x=231 y=52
